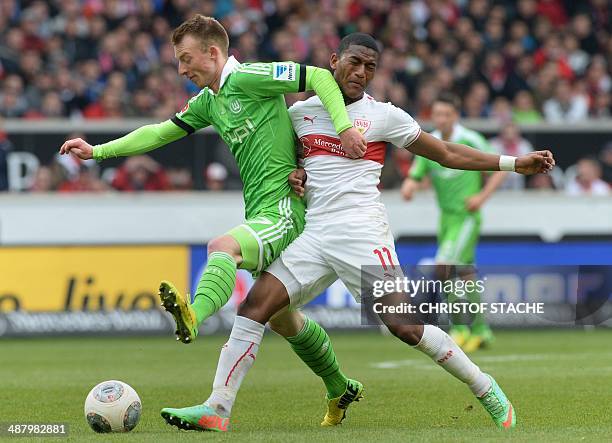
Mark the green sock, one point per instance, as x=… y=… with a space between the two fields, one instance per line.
x=457 y=318
x=479 y=320
x=216 y=285
x=314 y=347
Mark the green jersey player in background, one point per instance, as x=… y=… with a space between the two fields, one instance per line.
x=245 y=104
x=460 y=195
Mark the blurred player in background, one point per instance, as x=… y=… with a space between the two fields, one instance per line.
x=347 y=228
x=460 y=195
x=245 y=104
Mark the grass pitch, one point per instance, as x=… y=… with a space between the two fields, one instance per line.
x=559 y=381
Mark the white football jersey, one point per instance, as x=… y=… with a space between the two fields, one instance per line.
x=335 y=181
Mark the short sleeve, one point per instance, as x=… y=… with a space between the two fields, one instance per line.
x=296 y=113
x=401 y=129
x=270 y=79
x=294 y=109
x=194 y=114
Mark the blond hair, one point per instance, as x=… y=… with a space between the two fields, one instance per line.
x=208 y=30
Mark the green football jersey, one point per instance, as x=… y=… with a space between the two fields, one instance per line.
x=250 y=114
x=453 y=186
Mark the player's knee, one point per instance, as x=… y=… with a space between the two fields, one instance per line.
x=281 y=327
x=226 y=244
x=466 y=272
x=443 y=272
x=287 y=325
x=266 y=298
x=253 y=308
x=218 y=244
x=410 y=334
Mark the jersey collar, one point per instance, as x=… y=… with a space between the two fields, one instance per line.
x=361 y=100
x=455 y=133
x=457 y=130
x=229 y=67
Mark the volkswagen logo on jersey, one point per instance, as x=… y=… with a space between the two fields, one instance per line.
x=235 y=106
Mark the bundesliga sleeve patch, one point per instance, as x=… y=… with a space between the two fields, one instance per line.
x=283 y=71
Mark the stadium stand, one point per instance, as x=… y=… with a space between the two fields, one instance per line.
x=525 y=61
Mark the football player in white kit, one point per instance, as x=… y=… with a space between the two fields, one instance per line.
x=347 y=228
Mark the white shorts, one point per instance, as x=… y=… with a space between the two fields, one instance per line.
x=337 y=248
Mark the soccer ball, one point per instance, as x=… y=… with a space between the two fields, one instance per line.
x=112 y=406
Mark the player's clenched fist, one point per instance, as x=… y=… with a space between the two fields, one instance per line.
x=353 y=143
x=78 y=147
x=535 y=163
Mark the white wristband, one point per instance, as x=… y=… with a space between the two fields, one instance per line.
x=506 y=163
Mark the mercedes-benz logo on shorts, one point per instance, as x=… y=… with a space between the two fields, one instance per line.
x=306 y=145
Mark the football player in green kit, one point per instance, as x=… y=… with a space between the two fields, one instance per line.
x=245 y=104
x=460 y=195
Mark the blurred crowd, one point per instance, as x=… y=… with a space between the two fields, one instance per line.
x=523 y=61
x=67 y=173
x=591 y=175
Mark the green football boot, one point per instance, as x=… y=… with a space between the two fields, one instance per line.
x=181 y=310
x=498 y=406
x=460 y=334
x=196 y=418
x=336 y=407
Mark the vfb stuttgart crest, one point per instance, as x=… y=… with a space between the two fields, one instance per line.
x=362 y=125
x=235 y=106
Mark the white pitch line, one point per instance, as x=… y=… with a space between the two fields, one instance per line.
x=394 y=364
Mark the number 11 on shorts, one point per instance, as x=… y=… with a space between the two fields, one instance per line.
x=379 y=253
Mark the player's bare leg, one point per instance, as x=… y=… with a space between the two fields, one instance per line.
x=441 y=348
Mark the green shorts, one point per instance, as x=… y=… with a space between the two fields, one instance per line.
x=263 y=237
x=457 y=238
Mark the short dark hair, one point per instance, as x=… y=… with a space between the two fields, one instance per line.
x=450 y=99
x=206 y=29
x=360 y=39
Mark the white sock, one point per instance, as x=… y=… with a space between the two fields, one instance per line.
x=443 y=350
x=237 y=357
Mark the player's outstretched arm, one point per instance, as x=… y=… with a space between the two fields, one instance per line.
x=418 y=171
x=409 y=187
x=139 y=141
x=456 y=156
